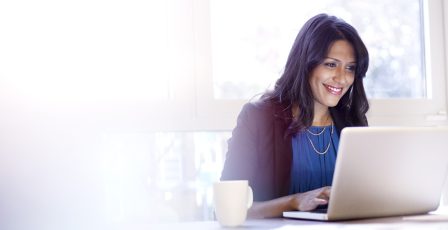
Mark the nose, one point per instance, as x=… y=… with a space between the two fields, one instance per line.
x=341 y=76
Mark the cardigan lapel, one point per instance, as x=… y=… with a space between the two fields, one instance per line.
x=283 y=154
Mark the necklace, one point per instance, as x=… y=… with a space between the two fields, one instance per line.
x=329 y=142
x=316 y=134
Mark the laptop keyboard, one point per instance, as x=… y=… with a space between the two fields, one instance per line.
x=320 y=210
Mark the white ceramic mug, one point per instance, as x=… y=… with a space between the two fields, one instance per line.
x=231 y=200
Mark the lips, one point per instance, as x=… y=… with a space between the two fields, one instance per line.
x=333 y=90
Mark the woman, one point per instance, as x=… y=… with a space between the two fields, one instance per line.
x=285 y=143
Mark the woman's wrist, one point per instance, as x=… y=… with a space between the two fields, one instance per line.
x=294 y=201
x=274 y=208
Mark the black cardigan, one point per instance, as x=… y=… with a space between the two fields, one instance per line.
x=260 y=149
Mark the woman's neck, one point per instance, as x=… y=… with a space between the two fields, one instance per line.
x=322 y=116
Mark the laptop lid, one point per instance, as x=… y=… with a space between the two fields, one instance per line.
x=386 y=171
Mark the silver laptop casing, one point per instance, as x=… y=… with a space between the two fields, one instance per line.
x=386 y=171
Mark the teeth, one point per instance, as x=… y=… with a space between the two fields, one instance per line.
x=334 y=89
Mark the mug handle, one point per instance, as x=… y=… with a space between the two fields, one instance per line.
x=250 y=196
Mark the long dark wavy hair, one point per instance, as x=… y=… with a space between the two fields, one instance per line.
x=310 y=48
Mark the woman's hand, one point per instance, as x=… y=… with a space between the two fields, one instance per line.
x=301 y=201
x=310 y=200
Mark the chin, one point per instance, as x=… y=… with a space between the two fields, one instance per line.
x=332 y=104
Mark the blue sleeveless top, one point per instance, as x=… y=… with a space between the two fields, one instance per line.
x=314 y=157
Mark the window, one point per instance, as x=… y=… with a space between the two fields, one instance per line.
x=249 y=49
x=170 y=174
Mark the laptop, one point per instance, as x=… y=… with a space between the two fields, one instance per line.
x=385 y=171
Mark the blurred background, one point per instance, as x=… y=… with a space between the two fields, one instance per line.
x=118 y=112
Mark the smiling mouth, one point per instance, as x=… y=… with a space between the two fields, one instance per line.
x=333 y=90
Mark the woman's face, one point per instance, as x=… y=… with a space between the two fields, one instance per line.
x=332 y=78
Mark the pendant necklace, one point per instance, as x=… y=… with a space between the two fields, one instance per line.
x=317 y=134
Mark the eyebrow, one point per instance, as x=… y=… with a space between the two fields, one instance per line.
x=335 y=59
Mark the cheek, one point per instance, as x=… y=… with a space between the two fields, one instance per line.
x=349 y=85
x=351 y=81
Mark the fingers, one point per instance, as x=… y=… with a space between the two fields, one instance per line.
x=326 y=191
x=319 y=201
x=323 y=193
x=312 y=204
x=311 y=199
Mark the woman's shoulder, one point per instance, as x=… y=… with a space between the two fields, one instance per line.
x=268 y=108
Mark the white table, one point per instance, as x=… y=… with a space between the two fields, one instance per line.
x=426 y=222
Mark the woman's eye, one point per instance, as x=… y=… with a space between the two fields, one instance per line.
x=330 y=64
x=351 y=68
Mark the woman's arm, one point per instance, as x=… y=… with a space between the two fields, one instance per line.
x=301 y=201
x=241 y=156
